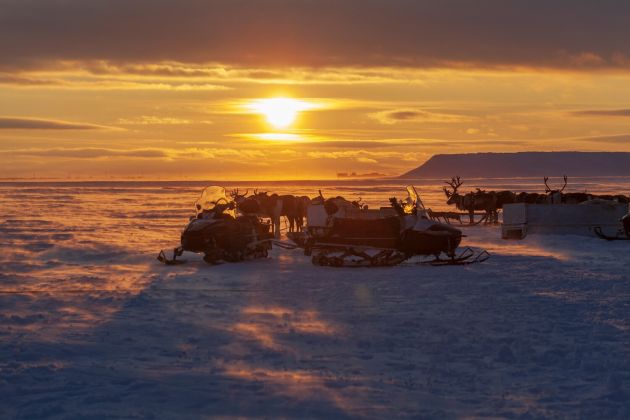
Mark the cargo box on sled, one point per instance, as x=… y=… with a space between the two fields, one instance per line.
x=521 y=219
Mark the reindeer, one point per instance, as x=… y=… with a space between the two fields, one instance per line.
x=531 y=198
x=270 y=206
x=554 y=196
x=274 y=206
x=301 y=211
x=289 y=209
x=503 y=197
x=238 y=197
x=479 y=200
x=246 y=205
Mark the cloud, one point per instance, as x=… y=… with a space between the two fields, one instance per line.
x=614 y=139
x=182 y=77
x=575 y=34
x=363 y=156
x=352 y=144
x=10 y=79
x=18 y=123
x=603 y=113
x=220 y=73
x=405 y=115
x=322 y=147
x=414 y=115
x=155 y=120
x=88 y=153
x=143 y=153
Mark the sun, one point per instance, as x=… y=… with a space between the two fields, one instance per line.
x=280 y=112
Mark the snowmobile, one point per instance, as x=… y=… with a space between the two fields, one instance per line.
x=341 y=234
x=221 y=235
x=622 y=235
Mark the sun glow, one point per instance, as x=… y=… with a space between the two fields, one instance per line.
x=280 y=112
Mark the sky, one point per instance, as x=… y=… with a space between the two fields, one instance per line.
x=303 y=89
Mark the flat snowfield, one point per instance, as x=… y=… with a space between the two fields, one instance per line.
x=92 y=326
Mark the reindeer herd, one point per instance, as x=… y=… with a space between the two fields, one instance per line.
x=472 y=203
x=274 y=206
x=490 y=202
x=294 y=208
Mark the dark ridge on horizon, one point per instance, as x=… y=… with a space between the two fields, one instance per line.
x=523 y=164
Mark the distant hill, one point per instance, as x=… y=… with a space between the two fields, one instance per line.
x=523 y=164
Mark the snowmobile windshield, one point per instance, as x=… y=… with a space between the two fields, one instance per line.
x=413 y=204
x=212 y=197
x=410 y=203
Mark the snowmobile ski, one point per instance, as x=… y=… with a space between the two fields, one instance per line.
x=177 y=252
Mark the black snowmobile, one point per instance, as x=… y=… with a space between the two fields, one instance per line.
x=219 y=234
x=341 y=234
x=622 y=235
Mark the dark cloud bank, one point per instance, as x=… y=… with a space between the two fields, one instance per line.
x=603 y=113
x=537 y=33
x=88 y=153
x=16 y=123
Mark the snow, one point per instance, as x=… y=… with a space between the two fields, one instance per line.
x=92 y=326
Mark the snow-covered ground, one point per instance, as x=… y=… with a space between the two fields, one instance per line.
x=91 y=326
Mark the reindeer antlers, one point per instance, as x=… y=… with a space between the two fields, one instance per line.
x=455 y=183
x=234 y=193
x=548 y=188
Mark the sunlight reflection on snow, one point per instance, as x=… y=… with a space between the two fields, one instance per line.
x=296 y=384
x=264 y=324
